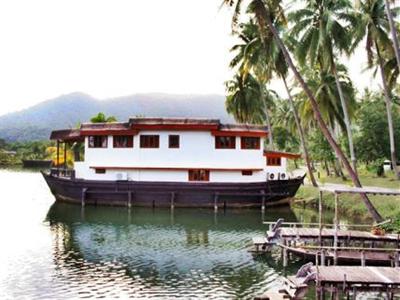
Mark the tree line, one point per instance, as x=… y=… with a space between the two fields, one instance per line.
x=303 y=46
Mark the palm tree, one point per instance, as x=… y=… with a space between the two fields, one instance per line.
x=101 y=118
x=321 y=29
x=323 y=85
x=393 y=31
x=248 y=61
x=244 y=100
x=374 y=25
x=264 y=12
x=250 y=57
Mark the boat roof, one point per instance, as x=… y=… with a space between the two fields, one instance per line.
x=136 y=124
x=271 y=153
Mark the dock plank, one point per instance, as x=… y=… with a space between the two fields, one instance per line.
x=358 y=275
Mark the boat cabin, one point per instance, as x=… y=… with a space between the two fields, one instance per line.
x=176 y=150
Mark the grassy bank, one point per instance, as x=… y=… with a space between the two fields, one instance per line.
x=388 y=206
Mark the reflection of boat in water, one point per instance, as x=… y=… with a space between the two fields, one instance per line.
x=186 y=250
x=173 y=163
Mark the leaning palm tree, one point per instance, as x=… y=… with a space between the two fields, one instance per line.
x=264 y=11
x=393 y=30
x=374 y=26
x=101 y=118
x=250 y=57
x=321 y=28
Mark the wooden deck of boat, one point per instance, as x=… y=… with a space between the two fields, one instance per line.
x=358 y=275
x=313 y=233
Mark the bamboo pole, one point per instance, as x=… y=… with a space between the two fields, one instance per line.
x=58 y=154
x=65 y=155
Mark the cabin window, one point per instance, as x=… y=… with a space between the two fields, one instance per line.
x=149 y=141
x=273 y=161
x=250 y=143
x=225 y=142
x=173 y=141
x=199 y=175
x=100 y=171
x=98 y=141
x=247 y=173
x=123 y=141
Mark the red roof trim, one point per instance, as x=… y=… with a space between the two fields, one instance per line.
x=173 y=168
x=239 y=133
x=185 y=127
x=109 y=132
x=282 y=154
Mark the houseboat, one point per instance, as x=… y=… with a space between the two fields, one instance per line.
x=171 y=162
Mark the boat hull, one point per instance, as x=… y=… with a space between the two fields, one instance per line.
x=176 y=194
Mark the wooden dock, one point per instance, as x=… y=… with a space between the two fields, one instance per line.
x=326 y=233
x=338 y=281
x=351 y=280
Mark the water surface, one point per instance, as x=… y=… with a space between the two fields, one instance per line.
x=60 y=251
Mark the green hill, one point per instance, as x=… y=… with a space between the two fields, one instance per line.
x=66 y=111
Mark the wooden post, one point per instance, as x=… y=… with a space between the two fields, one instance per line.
x=322 y=257
x=320 y=217
x=172 y=200
x=335 y=239
x=58 y=155
x=65 y=155
x=354 y=293
x=83 y=197
x=285 y=257
x=396 y=259
x=263 y=201
x=362 y=258
x=129 y=199
x=216 y=202
x=317 y=280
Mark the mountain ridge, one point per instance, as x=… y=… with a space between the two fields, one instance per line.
x=68 y=110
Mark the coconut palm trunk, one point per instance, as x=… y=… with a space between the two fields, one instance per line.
x=393 y=32
x=388 y=103
x=265 y=21
x=301 y=134
x=267 y=119
x=346 y=116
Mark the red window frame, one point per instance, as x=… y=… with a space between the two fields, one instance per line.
x=100 y=171
x=173 y=141
x=225 y=142
x=98 y=141
x=247 y=142
x=149 y=141
x=199 y=175
x=274 y=161
x=123 y=141
x=247 y=173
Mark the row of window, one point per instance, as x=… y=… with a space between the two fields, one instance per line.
x=273 y=161
x=153 y=141
x=193 y=175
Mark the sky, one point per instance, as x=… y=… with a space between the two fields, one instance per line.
x=110 y=48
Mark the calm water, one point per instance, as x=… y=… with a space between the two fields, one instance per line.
x=59 y=251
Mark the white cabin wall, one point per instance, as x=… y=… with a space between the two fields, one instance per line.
x=197 y=150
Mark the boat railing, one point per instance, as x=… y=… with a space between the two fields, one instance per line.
x=63 y=172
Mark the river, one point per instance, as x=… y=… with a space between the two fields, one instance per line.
x=60 y=251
